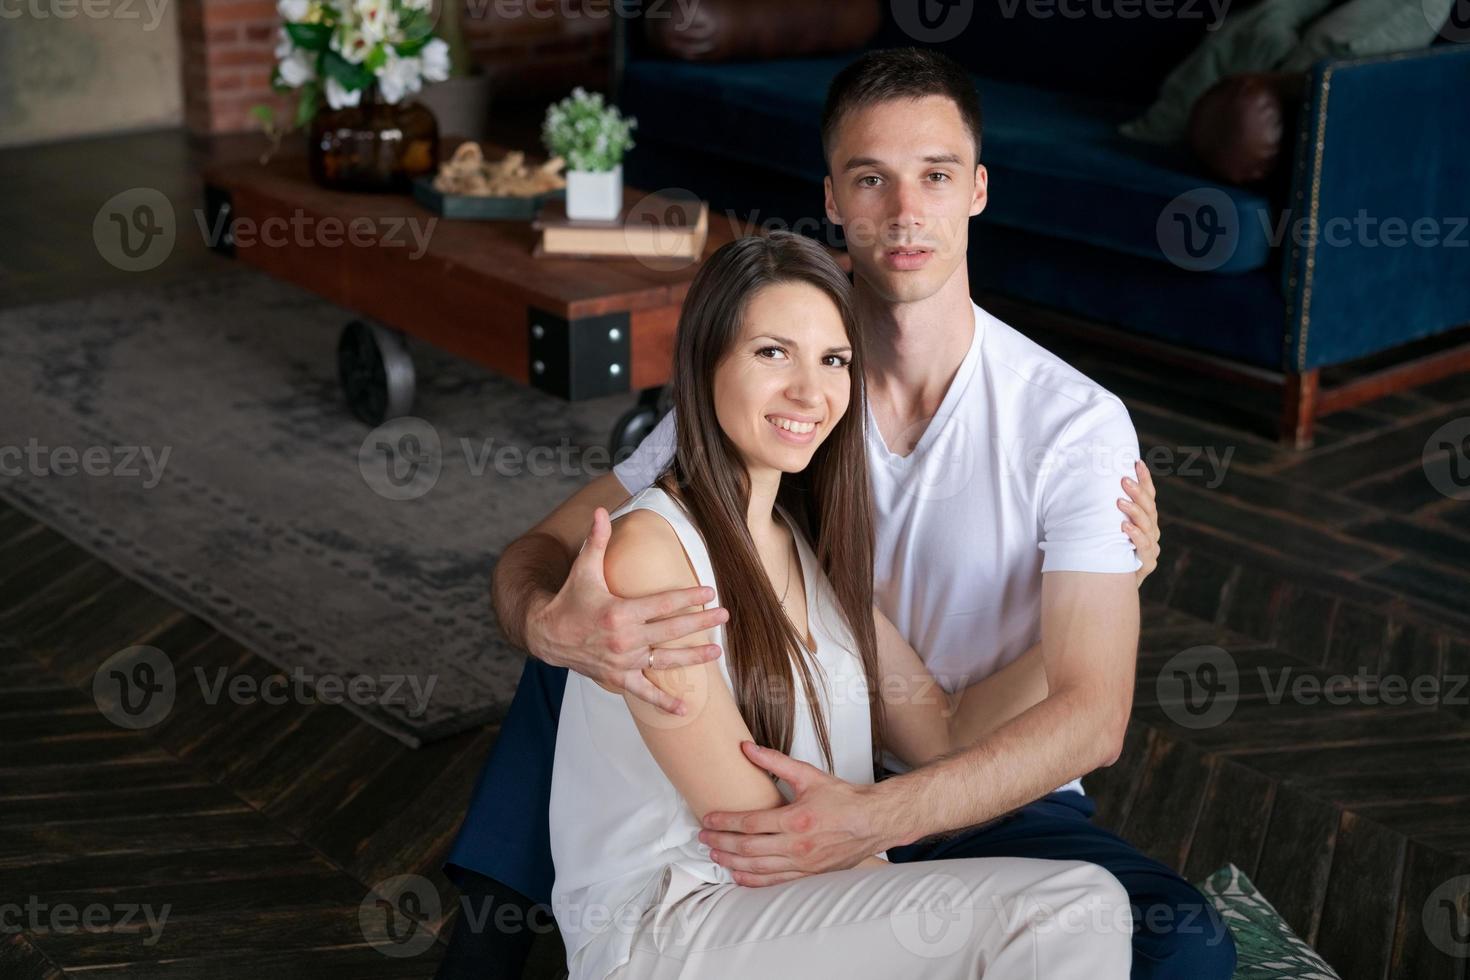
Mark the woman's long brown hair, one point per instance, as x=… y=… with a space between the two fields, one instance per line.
x=830 y=501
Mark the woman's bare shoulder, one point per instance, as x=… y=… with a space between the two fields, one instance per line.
x=645 y=556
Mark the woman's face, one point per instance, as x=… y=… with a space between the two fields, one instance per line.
x=786 y=382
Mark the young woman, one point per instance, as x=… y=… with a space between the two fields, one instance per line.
x=767 y=502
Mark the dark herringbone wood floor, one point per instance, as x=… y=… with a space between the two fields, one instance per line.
x=266 y=828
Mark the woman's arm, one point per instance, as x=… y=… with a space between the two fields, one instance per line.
x=924 y=722
x=700 y=751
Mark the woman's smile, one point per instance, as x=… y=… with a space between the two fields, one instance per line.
x=794 y=429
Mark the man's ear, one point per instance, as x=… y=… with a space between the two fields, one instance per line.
x=982 y=191
x=828 y=202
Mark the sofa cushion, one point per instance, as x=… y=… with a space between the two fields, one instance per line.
x=1266 y=948
x=726 y=30
x=1056 y=162
x=1257 y=39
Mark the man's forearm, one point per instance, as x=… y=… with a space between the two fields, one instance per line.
x=530 y=572
x=989 y=703
x=1064 y=737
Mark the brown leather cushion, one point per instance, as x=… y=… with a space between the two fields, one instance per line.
x=727 y=30
x=1237 y=127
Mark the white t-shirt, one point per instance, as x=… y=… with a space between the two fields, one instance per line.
x=1017 y=474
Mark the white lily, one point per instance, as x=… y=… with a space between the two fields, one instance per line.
x=399 y=77
x=338 y=96
x=435 y=58
x=351 y=44
x=297 y=68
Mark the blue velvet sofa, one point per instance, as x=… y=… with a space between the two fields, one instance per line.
x=1090 y=223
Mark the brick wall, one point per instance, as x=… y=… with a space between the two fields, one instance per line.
x=535 y=50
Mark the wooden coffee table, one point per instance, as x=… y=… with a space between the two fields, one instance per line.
x=575 y=328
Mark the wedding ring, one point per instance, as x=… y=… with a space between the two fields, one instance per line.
x=650 y=660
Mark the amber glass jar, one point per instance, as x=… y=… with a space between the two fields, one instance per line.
x=373 y=146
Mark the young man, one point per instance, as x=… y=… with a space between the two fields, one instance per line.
x=995 y=471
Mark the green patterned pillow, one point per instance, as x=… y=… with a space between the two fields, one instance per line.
x=1265 y=946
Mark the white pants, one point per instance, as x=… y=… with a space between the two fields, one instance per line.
x=1021 y=918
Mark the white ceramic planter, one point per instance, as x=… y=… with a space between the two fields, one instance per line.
x=595 y=195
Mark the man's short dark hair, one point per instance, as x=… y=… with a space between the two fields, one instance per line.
x=899 y=73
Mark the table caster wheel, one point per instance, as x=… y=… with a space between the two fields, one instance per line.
x=639 y=421
x=376 y=371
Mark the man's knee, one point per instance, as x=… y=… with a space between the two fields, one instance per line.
x=1178 y=933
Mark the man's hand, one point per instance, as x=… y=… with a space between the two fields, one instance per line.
x=830 y=825
x=609 y=639
x=1142 y=527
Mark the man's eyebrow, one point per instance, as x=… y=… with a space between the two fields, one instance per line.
x=854 y=162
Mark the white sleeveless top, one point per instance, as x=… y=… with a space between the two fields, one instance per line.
x=622 y=838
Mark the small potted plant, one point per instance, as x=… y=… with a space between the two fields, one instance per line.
x=592 y=138
x=363 y=59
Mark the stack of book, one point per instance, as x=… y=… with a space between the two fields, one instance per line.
x=653 y=228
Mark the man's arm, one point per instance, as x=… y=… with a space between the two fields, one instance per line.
x=554 y=601
x=1089 y=627
x=922 y=722
x=1089 y=644
x=533 y=568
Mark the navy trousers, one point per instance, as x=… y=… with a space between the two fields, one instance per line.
x=1177 y=932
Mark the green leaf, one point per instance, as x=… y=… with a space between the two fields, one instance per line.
x=416 y=25
x=376 y=58
x=306 y=108
x=349 y=76
x=265 y=114
x=407 y=49
x=312 y=37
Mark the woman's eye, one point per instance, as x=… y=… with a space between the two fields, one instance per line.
x=837 y=360
x=764 y=350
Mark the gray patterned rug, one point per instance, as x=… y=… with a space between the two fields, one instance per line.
x=194 y=437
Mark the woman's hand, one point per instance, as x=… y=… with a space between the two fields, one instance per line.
x=1142 y=526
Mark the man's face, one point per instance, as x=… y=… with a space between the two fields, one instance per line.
x=904 y=183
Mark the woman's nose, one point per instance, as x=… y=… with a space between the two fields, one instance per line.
x=804 y=386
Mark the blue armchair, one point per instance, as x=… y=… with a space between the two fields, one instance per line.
x=1368 y=252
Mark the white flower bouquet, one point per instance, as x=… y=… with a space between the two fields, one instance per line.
x=340 y=48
